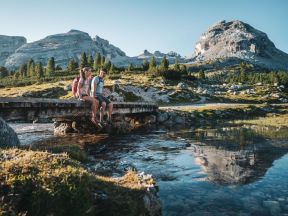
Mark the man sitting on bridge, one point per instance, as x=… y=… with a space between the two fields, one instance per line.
x=97 y=92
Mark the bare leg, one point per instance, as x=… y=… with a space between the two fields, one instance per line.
x=94 y=106
x=110 y=106
x=102 y=110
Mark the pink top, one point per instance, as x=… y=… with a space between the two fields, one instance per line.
x=85 y=86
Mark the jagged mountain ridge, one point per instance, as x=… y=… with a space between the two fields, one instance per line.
x=63 y=47
x=66 y=46
x=234 y=40
x=170 y=55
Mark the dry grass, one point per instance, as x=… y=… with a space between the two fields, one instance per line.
x=139 y=79
x=18 y=91
x=209 y=107
x=274 y=121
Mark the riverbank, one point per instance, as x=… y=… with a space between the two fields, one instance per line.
x=41 y=183
x=54 y=177
x=273 y=120
x=214 y=114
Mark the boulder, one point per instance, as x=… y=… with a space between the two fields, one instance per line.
x=68 y=87
x=179 y=120
x=114 y=96
x=8 y=137
x=182 y=86
x=162 y=117
x=150 y=119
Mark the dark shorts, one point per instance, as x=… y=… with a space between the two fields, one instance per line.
x=102 y=99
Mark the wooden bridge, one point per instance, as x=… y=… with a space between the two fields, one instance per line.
x=30 y=109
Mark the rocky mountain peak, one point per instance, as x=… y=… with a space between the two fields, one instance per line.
x=100 y=41
x=159 y=54
x=75 y=31
x=238 y=39
x=62 y=47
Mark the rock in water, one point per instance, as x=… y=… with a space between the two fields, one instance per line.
x=236 y=39
x=8 y=137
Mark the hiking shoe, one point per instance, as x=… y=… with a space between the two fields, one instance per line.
x=100 y=125
x=94 y=121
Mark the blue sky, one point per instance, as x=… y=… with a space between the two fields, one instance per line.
x=135 y=25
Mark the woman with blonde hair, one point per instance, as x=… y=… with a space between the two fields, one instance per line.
x=83 y=90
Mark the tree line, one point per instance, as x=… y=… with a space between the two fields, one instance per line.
x=34 y=69
x=164 y=68
x=247 y=75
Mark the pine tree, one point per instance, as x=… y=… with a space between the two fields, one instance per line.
x=58 y=68
x=164 y=64
x=183 y=69
x=39 y=70
x=71 y=66
x=17 y=75
x=201 y=75
x=83 y=61
x=130 y=67
x=3 y=72
x=276 y=77
x=145 y=65
x=176 y=66
x=23 y=70
x=76 y=64
x=107 y=65
x=97 y=62
x=50 y=68
x=243 y=75
x=111 y=71
x=30 y=68
x=90 y=61
x=102 y=61
x=152 y=64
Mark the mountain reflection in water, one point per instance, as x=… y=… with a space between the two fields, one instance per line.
x=236 y=156
x=214 y=171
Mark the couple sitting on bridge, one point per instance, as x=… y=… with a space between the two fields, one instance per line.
x=91 y=90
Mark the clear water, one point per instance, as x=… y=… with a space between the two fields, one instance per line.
x=215 y=171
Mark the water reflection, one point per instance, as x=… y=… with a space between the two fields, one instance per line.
x=235 y=155
x=208 y=171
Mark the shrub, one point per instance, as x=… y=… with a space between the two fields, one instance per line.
x=171 y=74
